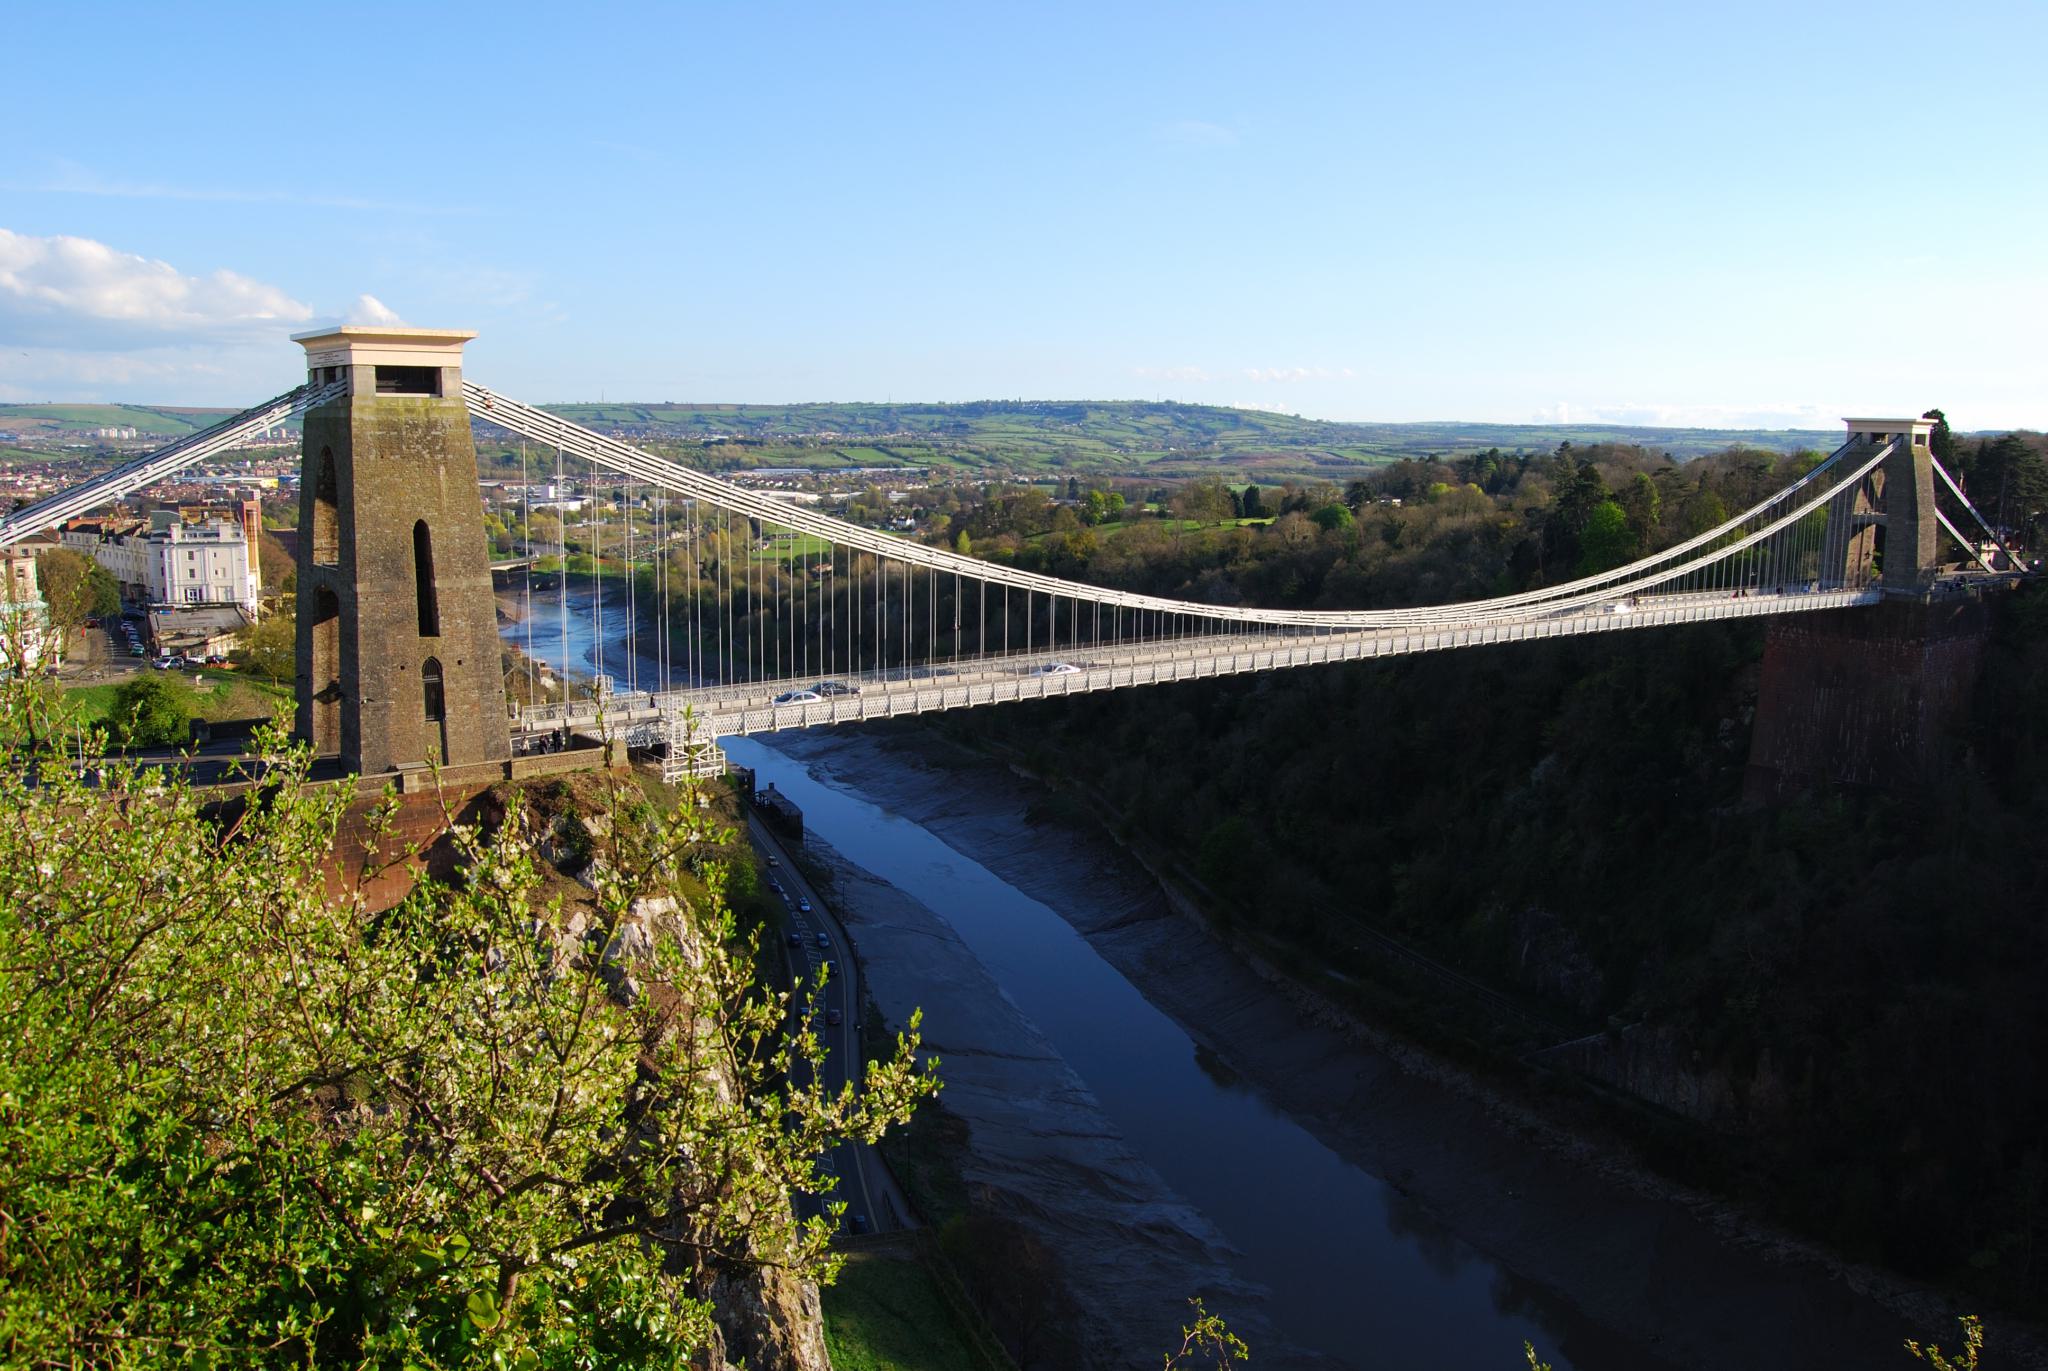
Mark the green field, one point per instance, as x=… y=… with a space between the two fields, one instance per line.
x=788 y=547
x=884 y=1314
x=166 y=423
x=1164 y=440
x=220 y=695
x=1134 y=438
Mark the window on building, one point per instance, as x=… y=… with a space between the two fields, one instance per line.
x=430 y=682
x=423 y=580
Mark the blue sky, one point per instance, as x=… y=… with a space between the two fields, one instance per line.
x=1772 y=214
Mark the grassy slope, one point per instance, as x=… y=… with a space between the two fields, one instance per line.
x=883 y=1314
x=223 y=695
x=168 y=423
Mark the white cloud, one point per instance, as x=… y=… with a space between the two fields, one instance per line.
x=69 y=178
x=1185 y=375
x=75 y=293
x=84 y=321
x=236 y=373
x=368 y=309
x=1637 y=414
x=1289 y=375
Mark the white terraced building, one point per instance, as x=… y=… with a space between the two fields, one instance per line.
x=200 y=564
x=175 y=563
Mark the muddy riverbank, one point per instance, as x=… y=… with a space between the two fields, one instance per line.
x=1611 y=1270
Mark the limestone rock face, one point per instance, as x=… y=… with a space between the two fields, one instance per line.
x=1660 y=1065
x=767 y=1321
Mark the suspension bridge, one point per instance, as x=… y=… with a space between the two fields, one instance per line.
x=773 y=615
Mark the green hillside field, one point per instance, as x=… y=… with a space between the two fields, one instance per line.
x=166 y=423
x=1166 y=441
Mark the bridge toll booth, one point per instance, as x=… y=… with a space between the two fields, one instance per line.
x=1903 y=490
x=397 y=652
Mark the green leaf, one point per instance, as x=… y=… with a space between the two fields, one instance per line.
x=483 y=1310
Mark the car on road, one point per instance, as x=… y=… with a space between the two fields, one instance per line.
x=775 y=885
x=859 y=1222
x=799 y=697
x=1056 y=669
x=824 y=938
x=834 y=688
x=168 y=663
x=803 y=903
x=834 y=1017
x=796 y=939
x=774 y=860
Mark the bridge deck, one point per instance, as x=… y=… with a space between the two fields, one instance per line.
x=726 y=710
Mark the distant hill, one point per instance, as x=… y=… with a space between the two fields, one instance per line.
x=156 y=420
x=1164 y=439
x=1028 y=437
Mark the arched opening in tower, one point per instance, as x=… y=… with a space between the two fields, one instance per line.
x=323 y=671
x=423 y=580
x=326 y=530
x=436 y=702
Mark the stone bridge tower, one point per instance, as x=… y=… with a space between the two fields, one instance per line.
x=398 y=656
x=1899 y=498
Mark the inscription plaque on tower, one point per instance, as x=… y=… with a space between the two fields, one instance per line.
x=397 y=650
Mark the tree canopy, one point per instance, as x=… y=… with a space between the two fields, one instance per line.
x=76 y=588
x=246 y=1120
x=149 y=712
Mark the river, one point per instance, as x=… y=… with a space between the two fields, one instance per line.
x=1172 y=1126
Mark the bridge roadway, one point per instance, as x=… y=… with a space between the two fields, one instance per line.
x=727 y=710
